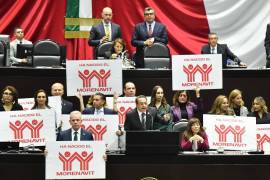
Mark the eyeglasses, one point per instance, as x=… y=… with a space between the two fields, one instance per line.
x=7 y=94
x=41 y=97
x=148 y=14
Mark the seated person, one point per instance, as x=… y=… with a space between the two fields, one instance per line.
x=19 y=39
x=158 y=101
x=183 y=108
x=75 y=133
x=259 y=110
x=142 y=117
x=41 y=100
x=236 y=103
x=10 y=99
x=194 y=134
x=118 y=51
x=221 y=106
x=214 y=48
x=98 y=108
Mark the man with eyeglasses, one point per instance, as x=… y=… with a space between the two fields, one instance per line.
x=213 y=47
x=146 y=34
x=104 y=31
x=19 y=39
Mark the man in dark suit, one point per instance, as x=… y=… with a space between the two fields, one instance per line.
x=214 y=48
x=99 y=101
x=57 y=89
x=142 y=117
x=267 y=45
x=104 y=31
x=75 y=133
x=147 y=33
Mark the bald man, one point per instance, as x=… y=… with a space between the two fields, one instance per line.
x=57 y=89
x=104 y=31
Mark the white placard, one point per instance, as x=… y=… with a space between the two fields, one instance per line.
x=53 y=101
x=89 y=77
x=230 y=132
x=28 y=127
x=75 y=160
x=263 y=137
x=191 y=71
x=102 y=127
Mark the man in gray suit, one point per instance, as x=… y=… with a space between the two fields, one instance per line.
x=104 y=31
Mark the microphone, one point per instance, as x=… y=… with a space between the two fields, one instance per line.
x=119 y=144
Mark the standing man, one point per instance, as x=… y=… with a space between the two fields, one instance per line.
x=104 y=31
x=142 y=117
x=98 y=108
x=75 y=133
x=57 y=89
x=19 y=35
x=214 y=48
x=147 y=33
x=267 y=45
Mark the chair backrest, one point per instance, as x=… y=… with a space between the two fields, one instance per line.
x=157 y=56
x=2 y=53
x=157 y=50
x=46 y=53
x=101 y=49
x=180 y=126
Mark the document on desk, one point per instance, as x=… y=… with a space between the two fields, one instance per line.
x=75 y=160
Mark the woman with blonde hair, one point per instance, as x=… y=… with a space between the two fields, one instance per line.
x=236 y=103
x=221 y=106
x=260 y=111
x=194 y=133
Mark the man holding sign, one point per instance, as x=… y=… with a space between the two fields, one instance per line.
x=75 y=133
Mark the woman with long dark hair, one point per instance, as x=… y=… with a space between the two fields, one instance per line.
x=159 y=102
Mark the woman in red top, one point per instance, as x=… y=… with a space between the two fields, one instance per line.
x=194 y=132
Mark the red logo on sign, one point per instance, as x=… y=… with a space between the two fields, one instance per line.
x=18 y=127
x=98 y=131
x=67 y=158
x=261 y=140
x=223 y=131
x=101 y=76
x=122 y=114
x=191 y=71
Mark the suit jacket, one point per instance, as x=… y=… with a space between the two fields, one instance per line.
x=98 y=32
x=141 y=34
x=267 y=42
x=224 y=50
x=91 y=110
x=67 y=135
x=133 y=122
x=67 y=107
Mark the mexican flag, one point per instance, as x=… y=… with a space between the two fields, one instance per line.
x=78 y=20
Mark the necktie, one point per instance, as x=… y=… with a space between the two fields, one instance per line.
x=212 y=50
x=143 y=120
x=107 y=31
x=75 y=136
x=150 y=30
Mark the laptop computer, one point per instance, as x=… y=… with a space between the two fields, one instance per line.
x=24 y=51
x=152 y=142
